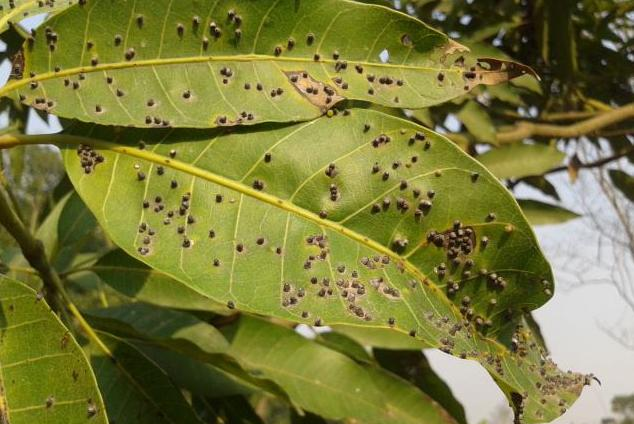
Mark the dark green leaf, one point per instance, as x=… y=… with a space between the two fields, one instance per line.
x=542 y=184
x=540 y=213
x=178 y=331
x=233 y=410
x=623 y=181
x=136 y=390
x=140 y=282
x=414 y=367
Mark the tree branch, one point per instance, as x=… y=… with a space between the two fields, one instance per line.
x=524 y=129
x=588 y=165
x=34 y=252
x=596 y=164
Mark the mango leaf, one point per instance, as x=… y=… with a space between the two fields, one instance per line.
x=344 y=344
x=180 y=331
x=202 y=378
x=134 y=388
x=624 y=182
x=378 y=338
x=521 y=160
x=542 y=184
x=13 y=11
x=478 y=122
x=189 y=337
x=327 y=382
x=415 y=368
x=45 y=376
x=211 y=63
x=67 y=231
x=233 y=409
x=390 y=227
x=541 y=213
x=142 y=283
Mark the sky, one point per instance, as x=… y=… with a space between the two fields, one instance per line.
x=571 y=322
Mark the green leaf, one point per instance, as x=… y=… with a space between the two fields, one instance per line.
x=542 y=184
x=203 y=378
x=327 y=382
x=379 y=338
x=169 y=69
x=415 y=368
x=623 y=181
x=176 y=330
x=521 y=160
x=540 y=213
x=14 y=11
x=234 y=410
x=267 y=245
x=140 y=282
x=478 y=122
x=191 y=341
x=136 y=390
x=68 y=230
x=45 y=376
x=344 y=344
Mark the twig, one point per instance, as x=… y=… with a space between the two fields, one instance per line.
x=34 y=252
x=524 y=129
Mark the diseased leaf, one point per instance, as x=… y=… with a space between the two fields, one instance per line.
x=160 y=63
x=540 y=213
x=360 y=232
x=45 y=377
x=623 y=181
x=327 y=382
x=521 y=160
x=415 y=368
x=136 y=390
x=478 y=122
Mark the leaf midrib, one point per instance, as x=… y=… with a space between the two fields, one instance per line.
x=250 y=58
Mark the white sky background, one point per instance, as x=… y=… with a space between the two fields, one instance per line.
x=571 y=322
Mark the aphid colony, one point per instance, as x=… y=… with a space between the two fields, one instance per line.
x=88 y=158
